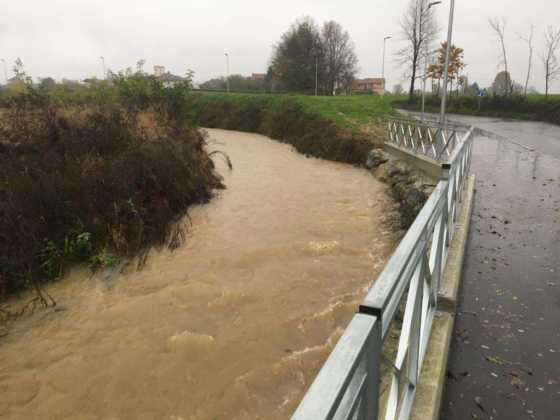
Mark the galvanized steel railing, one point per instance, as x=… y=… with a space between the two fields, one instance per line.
x=429 y=139
x=349 y=383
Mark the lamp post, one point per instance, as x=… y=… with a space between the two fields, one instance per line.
x=446 y=67
x=424 y=86
x=227 y=71
x=383 y=62
x=103 y=67
x=5 y=70
x=316 y=73
x=430 y=5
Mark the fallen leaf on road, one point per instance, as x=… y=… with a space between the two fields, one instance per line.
x=516 y=382
x=497 y=360
x=478 y=401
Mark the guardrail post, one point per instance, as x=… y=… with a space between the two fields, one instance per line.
x=370 y=405
x=445 y=170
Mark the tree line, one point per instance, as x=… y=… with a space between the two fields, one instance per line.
x=308 y=58
x=420 y=29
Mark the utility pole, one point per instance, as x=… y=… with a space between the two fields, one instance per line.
x=383 y=65
x=103 y=67
x=424 y=85
x=5 y=70
x=446 y=67
x=316 y=73
x=430 y=5
x=227 y=71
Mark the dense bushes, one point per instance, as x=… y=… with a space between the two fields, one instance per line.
x=91 y=173
x=536 y=108
x=91 y=184
x=282 y=118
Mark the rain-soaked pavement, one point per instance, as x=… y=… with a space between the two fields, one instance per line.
x=505 y=355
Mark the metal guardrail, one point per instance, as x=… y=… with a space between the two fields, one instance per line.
x=349 y=383
x=430 y=139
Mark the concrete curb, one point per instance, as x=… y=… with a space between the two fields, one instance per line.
x=451 y=280
x=429 y=394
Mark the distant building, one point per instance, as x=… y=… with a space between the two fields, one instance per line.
x=258 y=76
x=166 y=78
x=159 y=71
x=70 y=82
x=15 y=83
x=371 y=86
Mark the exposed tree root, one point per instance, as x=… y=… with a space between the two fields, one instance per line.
x=224 y=156
x=42 y=299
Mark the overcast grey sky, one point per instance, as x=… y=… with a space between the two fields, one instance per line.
x=65 y=38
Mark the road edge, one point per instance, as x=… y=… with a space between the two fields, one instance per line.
x=429 y=394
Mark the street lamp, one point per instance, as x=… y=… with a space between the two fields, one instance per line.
x=103 y=67
x=5 y=70
x=446 y=67
x=383 y=65
x=316 y=73
x=430 y=5
x=227 y=71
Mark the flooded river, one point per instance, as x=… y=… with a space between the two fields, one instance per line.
x=232 y=325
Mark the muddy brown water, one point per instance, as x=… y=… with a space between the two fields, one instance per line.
x=234 y=324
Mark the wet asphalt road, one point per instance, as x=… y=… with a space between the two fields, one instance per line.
x=505 y=354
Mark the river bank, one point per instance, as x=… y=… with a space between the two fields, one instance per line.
x=91 y=184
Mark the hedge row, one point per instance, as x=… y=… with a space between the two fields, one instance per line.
x=533 y=108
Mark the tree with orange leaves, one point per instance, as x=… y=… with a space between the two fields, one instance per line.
x=456 y=65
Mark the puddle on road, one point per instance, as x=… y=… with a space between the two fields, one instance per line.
x=232 y=325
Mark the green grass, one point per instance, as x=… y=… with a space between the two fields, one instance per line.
x=542 y=98
x=342 y=129
x=350 y=112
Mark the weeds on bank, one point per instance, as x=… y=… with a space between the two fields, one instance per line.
x=92 y=184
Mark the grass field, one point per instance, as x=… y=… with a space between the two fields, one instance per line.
x=342 y=129
x=353 y=112
x=349 y=110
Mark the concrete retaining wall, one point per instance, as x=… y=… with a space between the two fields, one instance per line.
x=428 y=166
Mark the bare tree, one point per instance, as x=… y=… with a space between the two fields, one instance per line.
x=529 y=40
x=140 y=66
x=499 y=27
x=340 y=59
x=419 y=29
x=549 y=58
